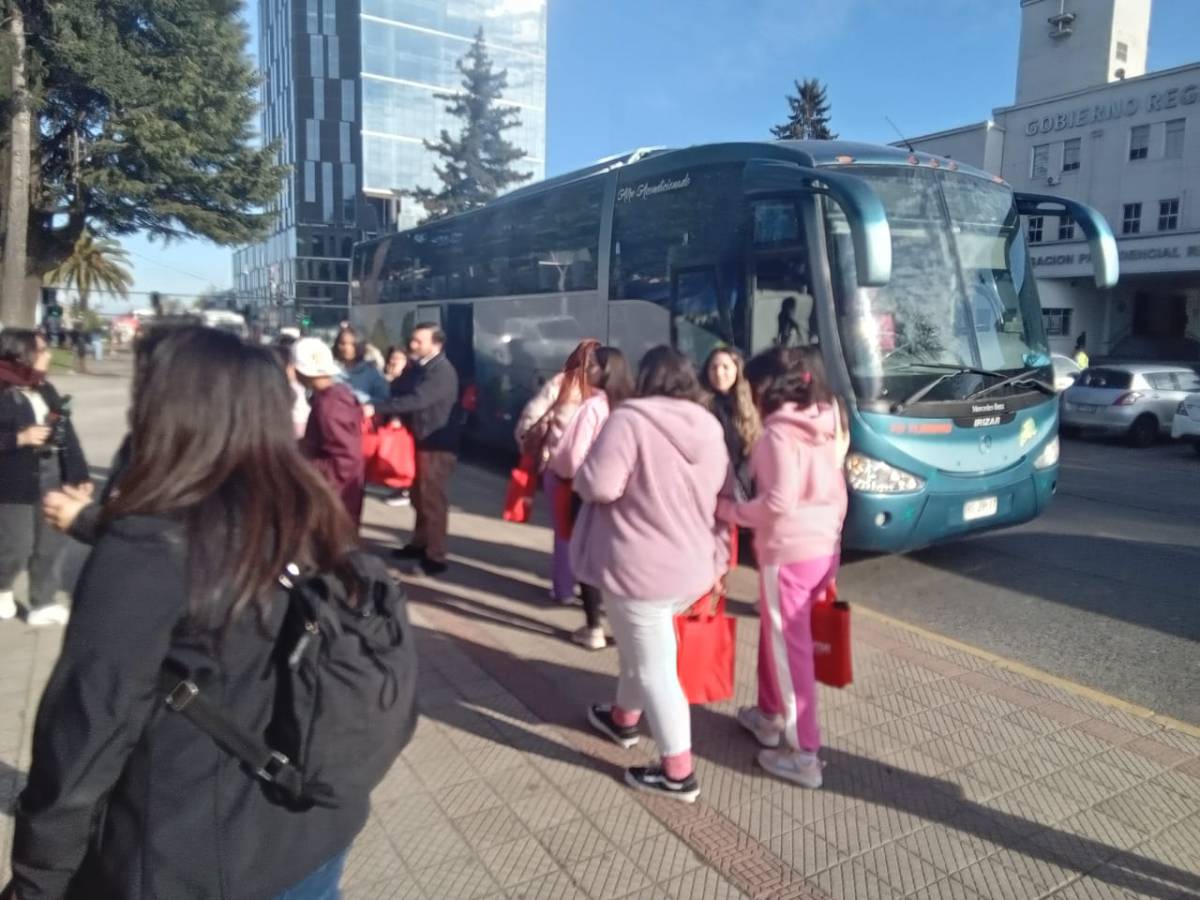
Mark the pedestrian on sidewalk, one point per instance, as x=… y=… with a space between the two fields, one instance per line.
x=39 y=453
x=609 y=379
x=797 y=517
x=360 y=373
x=125 y=799
x=396 y=363
x=724 y=378
x=332 y=439
x=426 y=398
x=539 y=429
x=300 y=409
x=647 y=536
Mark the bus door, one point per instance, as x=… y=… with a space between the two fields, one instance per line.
x=783 y=310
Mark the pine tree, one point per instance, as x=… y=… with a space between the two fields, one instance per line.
x=142 y=116
x=476 y=166
x=808 y=117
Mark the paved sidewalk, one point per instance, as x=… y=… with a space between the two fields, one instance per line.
x=949 y=776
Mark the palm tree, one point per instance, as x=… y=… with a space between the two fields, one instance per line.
x=94 y=264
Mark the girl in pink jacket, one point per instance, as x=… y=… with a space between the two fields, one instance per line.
x=797 y=519
x=609 y=378
x=647 y=538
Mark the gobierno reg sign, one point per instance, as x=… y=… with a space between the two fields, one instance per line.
x=1108 y=110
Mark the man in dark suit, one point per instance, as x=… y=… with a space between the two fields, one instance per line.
x=426 y=398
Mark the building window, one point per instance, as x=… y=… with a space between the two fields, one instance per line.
x=1173 y=148
x=1066 y=229
x=1057 y=322
x=1041 y=161
x=1139 y=142
x=1036 y=229
x=1122 y=52
x=1072 y=150
x=1168 y=214
x=1131 y=220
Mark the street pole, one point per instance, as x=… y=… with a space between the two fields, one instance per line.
x=14 y=311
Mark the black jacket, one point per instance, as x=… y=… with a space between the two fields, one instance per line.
x=129 y=800
x=19 y=482
x=426 y=398
x=739 y=458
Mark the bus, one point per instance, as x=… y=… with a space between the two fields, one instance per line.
x=910 y=272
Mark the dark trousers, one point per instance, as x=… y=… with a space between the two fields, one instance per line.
x=27 y=542
x=589 y=594
x=431 y=503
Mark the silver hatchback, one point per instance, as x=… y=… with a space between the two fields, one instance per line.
x=1135 y=400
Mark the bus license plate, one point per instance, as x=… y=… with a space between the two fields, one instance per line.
x=980 y=509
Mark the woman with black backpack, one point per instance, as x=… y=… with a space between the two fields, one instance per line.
x=130 y=794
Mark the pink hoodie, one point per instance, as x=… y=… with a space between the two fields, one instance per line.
x=801 y=489
x=648 y=527
x=579 y=436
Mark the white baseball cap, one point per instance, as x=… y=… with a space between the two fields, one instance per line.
x=313 y=359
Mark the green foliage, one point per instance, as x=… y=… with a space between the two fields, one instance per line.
x=477 y=165
x=144 y=112
x=93 y=265
x=808 y=115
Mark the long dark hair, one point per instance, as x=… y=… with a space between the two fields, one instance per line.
x=360 y=346
x=212 y=447
x=665 y=372
x=610 y=373
x=789 y=375
x=746 y=420
x=18 y=346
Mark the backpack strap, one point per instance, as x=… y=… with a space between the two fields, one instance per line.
x=184 y=697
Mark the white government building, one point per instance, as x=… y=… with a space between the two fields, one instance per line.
x=1090 y=123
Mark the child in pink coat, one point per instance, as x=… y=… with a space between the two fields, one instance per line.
x=797 y=518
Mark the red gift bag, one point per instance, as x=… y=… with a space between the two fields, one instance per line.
x=707 y=639
x=394 y=463
x=831 y=639
x=522 y=482
x=560 y=504
x=370 y=439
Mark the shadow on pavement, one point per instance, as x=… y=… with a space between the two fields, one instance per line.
x=559 y=694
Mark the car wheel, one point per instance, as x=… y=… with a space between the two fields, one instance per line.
x=1144 y=431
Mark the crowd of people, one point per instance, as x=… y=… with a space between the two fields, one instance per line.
x=243 y=463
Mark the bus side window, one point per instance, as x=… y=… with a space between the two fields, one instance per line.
x=696 y=320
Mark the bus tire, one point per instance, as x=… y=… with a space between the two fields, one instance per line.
x=1144 y=430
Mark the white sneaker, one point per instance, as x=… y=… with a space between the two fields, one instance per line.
x=8 y=605
x=54 y=614
x=591 y=638
x=767 y=730
x=798 y=766
x=399 y=498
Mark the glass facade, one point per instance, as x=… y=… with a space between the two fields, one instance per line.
x=349 y=98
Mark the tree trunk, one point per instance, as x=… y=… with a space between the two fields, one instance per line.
x=15 y=311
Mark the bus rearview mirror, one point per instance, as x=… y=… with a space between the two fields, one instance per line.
x=1105 y=260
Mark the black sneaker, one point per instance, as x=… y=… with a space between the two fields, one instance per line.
x=409 y=552
x=432 y=567
x=600 y=717
x=653 y=780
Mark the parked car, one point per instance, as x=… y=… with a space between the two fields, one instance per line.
x=1137 y=400
x=1186 y=424
x=1066 y=371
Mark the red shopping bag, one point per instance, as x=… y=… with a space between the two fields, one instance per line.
x=370 y=439
x=560 y=504
x=831 y=639
x=522 y=482
x=707 y=639
x=394 y=463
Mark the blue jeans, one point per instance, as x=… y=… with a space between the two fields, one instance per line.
x=321 y=884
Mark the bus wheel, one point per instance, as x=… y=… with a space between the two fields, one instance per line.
x=1144 y=431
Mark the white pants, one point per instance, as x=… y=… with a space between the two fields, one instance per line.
x=649 y=677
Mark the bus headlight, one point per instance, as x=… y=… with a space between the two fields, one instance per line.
x=1049 y=455
x=868 y=475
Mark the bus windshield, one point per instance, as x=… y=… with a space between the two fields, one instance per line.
x=961 y=308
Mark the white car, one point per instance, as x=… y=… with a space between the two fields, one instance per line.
x=1186 y=424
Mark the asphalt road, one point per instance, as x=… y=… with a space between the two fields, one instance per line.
x=1104 y=589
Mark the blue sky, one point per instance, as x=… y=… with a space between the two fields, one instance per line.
x=625 y=74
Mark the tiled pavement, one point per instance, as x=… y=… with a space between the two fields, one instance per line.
x=948 y=776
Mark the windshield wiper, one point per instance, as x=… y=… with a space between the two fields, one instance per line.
x=1021 y=378
x=952 y=372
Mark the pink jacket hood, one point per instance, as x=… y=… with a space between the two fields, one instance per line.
x=648 y=528
x=800 y=501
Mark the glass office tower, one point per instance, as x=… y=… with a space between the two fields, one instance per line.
x=349 y=97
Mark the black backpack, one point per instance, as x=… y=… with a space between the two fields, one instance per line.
x=345 y=692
